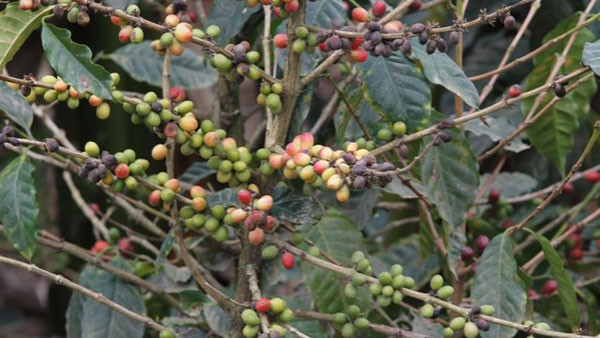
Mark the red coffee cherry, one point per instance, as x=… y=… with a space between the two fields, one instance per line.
x=99 y=247
x=262 y=305
x=360 y=15
x=494 y=196
x=550 y=287
x=568 y=188
x=481 y=242
x=379 y=8
x=245 y=196
x=122 y=170
x=280 y=40
x=358 y=55
x=592 y=177
x=576 y=254
x=287 y=260
x=514 y=91
x=467 y=254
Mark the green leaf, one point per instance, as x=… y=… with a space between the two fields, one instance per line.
x=566 y=288
x=14 y=105
x=497 y=129
x=100 y=321
x=19 y=209
x=346 y=126
x=73 y=62
x=339 y=237
x=591 y=56
x=74 y=314
x=196 y=172
x=15 y=27
x=511 y=184
x=230 y=16
x=554 y=133
x=165 y=248
x=451 y=176
x=226 y=197
x=397 y=89
x=396 y=187
x=456 y=243
x=440 y=69
x=188 y=71
x=323 y=13
x=294 y=206
x=426 y=327
x=496 y=283
x=301 y=111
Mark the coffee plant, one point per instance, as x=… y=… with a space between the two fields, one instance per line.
x=321 y=168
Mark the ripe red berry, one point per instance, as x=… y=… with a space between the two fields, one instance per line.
x=568 y=188
x=592 y=177
x=481 y=242
x=323 y=47
x=177 y=94
x=358 y=55
x=280 y=40
x=532 y=294
x=262 y=305
x=171 y=130
x=99 y=246
x=154 y=198
x=514 y=90
x=116 y=20
x=256 y=236
x=287 y=260
x=467 y=254
x=507 y=223
x=95 y=207
x=357 y=42
x=122 y=170
x=415 y=5
x=271 y=222
x=292 y=6
x=494 y=196
x=550 y=287
x=125 y=245
x=379 y=8
x=244 y=196
x=360 y=14
x=576 y=254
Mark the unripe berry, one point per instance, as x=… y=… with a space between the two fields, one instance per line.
x=277 y=305
x=188 y=123
x=471 y=330
x=250 y=317
x=183 y=32
x=103 y=111
x=269 y=252
x=265 y=203
x=287 y=260
x=488 y=310
x=92 y=149
x=436 y=282
x=137 y=35
x=213 y=31
x=427 y=311
x=166 y=334
x=172 y=20
x=399 y=128
x=445 y=292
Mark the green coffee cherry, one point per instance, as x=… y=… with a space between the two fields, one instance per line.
x=213 y=31
x=353 y=311
x=361 y=323
x=286 y=315
x=250 y=331
x=166 y=334
x=409 y=282
x=436 y=282
x=350 y=290
x=471 y=330
x=447 y=333
x=427 y=311
x=488 y=310
x=396 y=270
x=385 y=278
x=457 y=323
x=445 y=292
x=398 y=282
x=397 y=297
x=357 y=256
x=348 y=330
x=340 y=318
x=375 y=289
x=250 y=317
x=384 y=301
x=358 y=279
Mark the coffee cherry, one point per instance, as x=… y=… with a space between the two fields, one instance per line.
x=493 y=196
x=488 y=310
x=532 y=294
x=447 y=333
x=277 y=305
x=348 y=330
x=122 y=170
x=125 y=245
x=379 y=8
x=415 y=5
x=250 y=317
x=256 y=236
x=467 y=254
x=250 y=331
x=159 y=152
x=592 y=177
x=92 y=149
x=559 y=90
x=471 y=330
x=166 y=334
x=280 y=40
x=360 y=14
x=213 y=31
x=350 y=291
x=568 y=188
x=99 y=246
x=457 y=323
x=542 y=326
x=445 y=292
x=550 y=287
x=265 y=203
x=133 y=10
x=436 y=282
x=427 y=311
x=481 y=242
x=103 y=111
x=384 y=134
x=514 y=91
x=50 y=143
x=287 y=260
x=399 y=128
x=298 y=46
x=454 y=37
x=509 y=21
x=262 y=305
x=358 y=55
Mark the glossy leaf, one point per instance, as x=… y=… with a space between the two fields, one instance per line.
x=511 y=184
x=73 y=62
x=397 y=89
x=440 y=69
x=165 y=248
x=230 y=16
x=496 y=283
x=100 y=321
x=591 y=56
x=19 y=208
x=15 y=27
x=196 y=172
x=323 y=13
x=553 y=134
x=74 y=314
x=497 y=129
x=456 y=243
x=566 y=288
x=426 y=327
x=451 y=176
x=14 y=105
x=294 y=206
x=189 y=71
x=339 y=237
x=226 y=197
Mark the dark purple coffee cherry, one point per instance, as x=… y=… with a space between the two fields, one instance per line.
x=445 y=136
x=482 y=325
x=403 y=151
x=110 y=161
x=376 y=37
x=454 y=37
x=431 y=46
x=359 y=169
x=423 y=37
x=467 y=254
x=509 y=21
x=322 y=36
x=417 y=28
x=359 y=182
x=373 y=26
x=25 y=90
x=447 y=124
x=8 y=131
x=441 y=44
x=406 y=47
x=156 y=107
x=58 y=11
x=559 y=90
x=51 y=145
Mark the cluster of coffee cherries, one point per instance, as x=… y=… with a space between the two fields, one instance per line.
x=500 y=207
x=244 y=62
x=130 y=32
x=180 y=32
x=270 y=96
x=123 y=244
x=321 y=166
x=7 y=136
x=432 y=42
x=254 y=214
x=304 y=40
x=231 y=162
x=199 y=216
x=468 y=254
x=277 y=311
x=281 y=8
x=349 y=321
